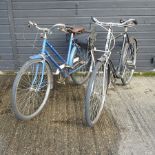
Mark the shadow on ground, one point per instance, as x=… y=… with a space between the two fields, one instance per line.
x=59 y=129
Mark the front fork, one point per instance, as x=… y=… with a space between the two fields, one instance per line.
x=36 y=80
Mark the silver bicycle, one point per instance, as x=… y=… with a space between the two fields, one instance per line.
x=100 y=77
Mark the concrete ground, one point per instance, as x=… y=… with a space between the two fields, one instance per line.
x=126 y=127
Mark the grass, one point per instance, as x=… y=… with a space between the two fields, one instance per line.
x=135 y=74
x=146 y=74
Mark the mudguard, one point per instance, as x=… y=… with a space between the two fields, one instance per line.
x=46 y=58
x=135 y=41
x=37 y=56
x=41 y=57
x=101 y=59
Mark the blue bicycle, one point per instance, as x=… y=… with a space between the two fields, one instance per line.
x=34 y=81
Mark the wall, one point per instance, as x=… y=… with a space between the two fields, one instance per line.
x=15 y=14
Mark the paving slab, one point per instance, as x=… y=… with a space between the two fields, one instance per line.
x=126 y=126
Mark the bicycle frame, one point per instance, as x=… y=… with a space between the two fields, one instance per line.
x=44 y=55
x=116 y=72
x=47 y=58
x=107 y=52
x=107 y=26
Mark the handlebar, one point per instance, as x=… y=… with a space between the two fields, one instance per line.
x=39 y=28
x=127 y=23
x=59 y=26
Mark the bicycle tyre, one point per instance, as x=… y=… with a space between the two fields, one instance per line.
x=21 y=86
x=82 y=74
x=97 y=84
x=129 y=57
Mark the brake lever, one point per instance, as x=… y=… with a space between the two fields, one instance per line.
x=29 y=26
x=30 y=23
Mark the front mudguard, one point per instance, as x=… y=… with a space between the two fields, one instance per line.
x=37 y=56
x=102 y=59
x=42 y=57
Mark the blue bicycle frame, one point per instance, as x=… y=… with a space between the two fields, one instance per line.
x=44 y=55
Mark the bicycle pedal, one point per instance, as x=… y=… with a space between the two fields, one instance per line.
x=69 y=67
x=79 y=63
x=131 y=66
x=82 y=62
x=61 y=82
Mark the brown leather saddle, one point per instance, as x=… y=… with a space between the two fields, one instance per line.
x=77 y=29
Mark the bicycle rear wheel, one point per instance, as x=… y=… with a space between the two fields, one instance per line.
x=129 y=60
x=83 y=66
x=96 y=93
x=31 y=89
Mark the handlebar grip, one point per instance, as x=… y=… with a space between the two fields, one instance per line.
x=135 y=22
x=31 y=24
x=93 y=19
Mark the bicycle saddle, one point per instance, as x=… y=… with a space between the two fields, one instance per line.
x=134 y=21
x=77 y=29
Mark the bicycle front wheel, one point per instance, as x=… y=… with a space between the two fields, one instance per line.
x=129 y=60
x=31 y=89
x=82 y=64
x=96 y=93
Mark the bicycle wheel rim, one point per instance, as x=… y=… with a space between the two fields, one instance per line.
x=128 y=73
x=83 y=70
x=96 y=94
x=18 y=109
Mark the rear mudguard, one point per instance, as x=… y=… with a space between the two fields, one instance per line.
x=136 y=45
x=135 y=41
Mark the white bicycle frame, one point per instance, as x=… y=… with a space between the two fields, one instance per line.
x=110 y=37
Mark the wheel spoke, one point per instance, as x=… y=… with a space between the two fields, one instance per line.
x=30 y=97
x=130 y=59
x=97 y=90
x=83 y=67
